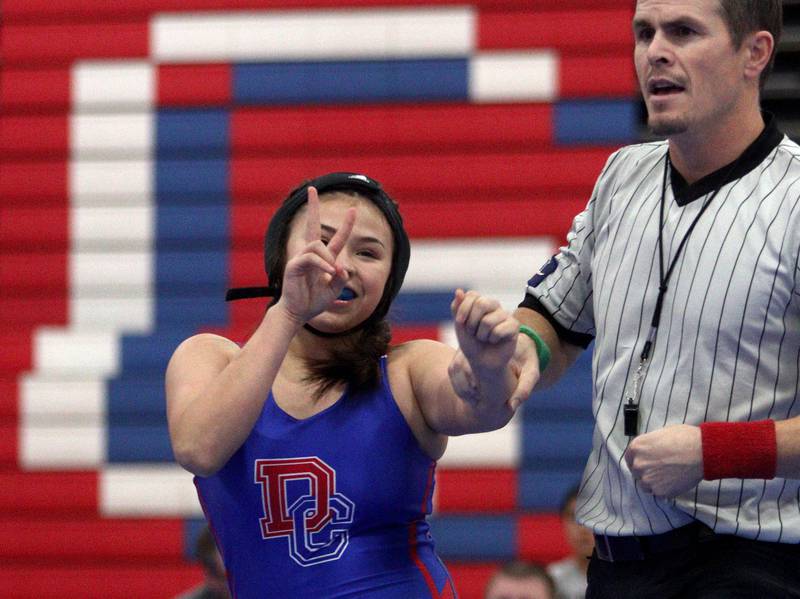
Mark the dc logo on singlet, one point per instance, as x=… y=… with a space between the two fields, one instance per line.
x=301 y=504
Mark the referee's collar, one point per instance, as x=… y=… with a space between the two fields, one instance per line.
x=754 y=155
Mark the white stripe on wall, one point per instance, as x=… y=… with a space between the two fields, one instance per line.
x=62 y=423
x=119 y=227
x=514 y=77
x=312 y=35
x=110 y=182
x=75 y=352
x=103 y=136
x=78 y=446
x=492 y=266
x=122 y=85
x=47 y=400
x=112 y=273
x=108 y=198
x=148 y=490
x=495 y=449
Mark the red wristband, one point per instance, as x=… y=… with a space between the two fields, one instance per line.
x=739 y=449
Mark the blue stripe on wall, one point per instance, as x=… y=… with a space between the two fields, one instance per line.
x=128 y=443
x=192 y=312
x=351 y=81
x=205 y=273
x=201 y=226
x=137 y=400
x=572 y=394
x=595 y=121
x=421 y=307
x=183 y=181
x=544 y=488
x=196 y=269
x=200 y=129
x=150 y=354
x=561 y=441
x=475 y=537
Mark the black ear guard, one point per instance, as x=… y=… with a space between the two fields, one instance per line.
x=277 y=233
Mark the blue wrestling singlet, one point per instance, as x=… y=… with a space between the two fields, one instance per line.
x=329 y=506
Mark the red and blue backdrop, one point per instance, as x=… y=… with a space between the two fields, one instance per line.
x=144 y=146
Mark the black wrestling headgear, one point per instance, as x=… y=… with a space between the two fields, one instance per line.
x=278 y=233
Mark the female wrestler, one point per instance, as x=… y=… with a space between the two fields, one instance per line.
x=314 y=444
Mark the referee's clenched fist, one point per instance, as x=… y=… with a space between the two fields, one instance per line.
x=668 y=461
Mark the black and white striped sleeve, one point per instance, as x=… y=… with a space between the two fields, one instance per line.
x=561 y=290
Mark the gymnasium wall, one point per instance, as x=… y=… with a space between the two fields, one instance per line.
x=143 y=147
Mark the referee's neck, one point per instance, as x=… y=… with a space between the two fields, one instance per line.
x=697 y=153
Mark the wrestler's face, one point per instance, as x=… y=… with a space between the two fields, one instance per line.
x=692 y=77
x=367 y=257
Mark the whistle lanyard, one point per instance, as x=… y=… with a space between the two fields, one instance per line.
x=631 y=405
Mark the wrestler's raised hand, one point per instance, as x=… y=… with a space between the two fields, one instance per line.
x=486 y=333
x=313 y=277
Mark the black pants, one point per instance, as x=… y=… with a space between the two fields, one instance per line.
x=717 y=567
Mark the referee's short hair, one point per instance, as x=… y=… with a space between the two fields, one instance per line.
x=744 y=17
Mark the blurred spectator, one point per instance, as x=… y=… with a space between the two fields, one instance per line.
x=520 y=580
x=569 y=574
x=215 y=585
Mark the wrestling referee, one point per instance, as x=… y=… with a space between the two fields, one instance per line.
x=683 y=269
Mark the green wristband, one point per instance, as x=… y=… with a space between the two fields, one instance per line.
x=541 y=347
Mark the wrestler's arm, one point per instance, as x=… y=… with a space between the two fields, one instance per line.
x=216 y=391
x=487 y=337
x=562 y=353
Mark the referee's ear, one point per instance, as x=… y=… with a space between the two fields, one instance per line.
x=759 y=46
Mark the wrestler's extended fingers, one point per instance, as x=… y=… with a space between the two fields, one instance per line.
x=488 y=323
x=342 y=234
x=313 y=231
x=462 y=313
x=458 y=297
x=482 y=308
x=308 y=261
x=319 y=248
x=506 y=329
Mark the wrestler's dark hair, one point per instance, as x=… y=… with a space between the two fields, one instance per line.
x=744 y=17
x=354 y=359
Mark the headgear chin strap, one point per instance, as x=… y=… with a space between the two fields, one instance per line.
x=278 y=232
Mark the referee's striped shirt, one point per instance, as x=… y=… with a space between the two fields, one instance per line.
x=728 y=346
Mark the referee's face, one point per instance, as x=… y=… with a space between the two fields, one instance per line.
x=690 y=74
